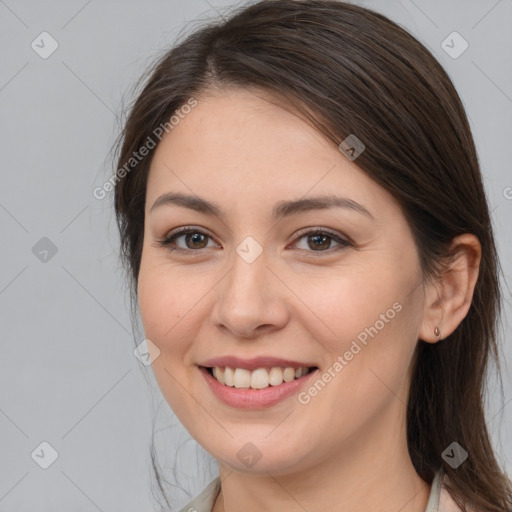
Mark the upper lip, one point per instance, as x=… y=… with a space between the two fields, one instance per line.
x=254 y=363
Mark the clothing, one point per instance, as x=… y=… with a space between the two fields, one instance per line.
x=438 y=501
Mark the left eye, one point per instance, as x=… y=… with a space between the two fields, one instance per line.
x=318 y=241
x=195 y=240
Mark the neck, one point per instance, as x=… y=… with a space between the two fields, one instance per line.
x=370 y=471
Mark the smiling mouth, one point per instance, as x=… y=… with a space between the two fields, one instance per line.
x=260 y=378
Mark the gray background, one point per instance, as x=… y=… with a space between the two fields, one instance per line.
x=68 y=375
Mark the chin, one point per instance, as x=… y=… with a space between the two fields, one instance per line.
x=257 y=455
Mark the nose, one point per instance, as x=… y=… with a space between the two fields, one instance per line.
x=251 y=300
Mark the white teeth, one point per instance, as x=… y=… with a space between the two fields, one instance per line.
x=242 y=378
x=260 y=378
x=288 y=374
x=275 y=377
x=218 y=374
x=229 y=376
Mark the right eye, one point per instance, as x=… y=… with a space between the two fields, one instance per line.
x=194 y=240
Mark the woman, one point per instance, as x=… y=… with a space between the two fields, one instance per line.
x=306 y=231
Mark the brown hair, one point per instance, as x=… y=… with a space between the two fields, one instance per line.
x=349 y=70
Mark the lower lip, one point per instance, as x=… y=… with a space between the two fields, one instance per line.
x=246 y=398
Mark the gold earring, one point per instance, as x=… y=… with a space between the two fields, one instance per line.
x=437 y=332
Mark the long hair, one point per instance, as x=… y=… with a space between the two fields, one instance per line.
x=348 y=70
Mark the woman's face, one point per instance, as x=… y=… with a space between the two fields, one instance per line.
x=335 y=288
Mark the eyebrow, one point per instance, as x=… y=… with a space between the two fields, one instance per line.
x=280 y=210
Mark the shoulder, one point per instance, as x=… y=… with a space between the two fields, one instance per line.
x=440 y=499
x=204 y=501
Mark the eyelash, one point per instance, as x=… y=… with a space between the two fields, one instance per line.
x=169 y=240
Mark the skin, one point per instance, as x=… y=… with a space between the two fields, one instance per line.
x=346 y=449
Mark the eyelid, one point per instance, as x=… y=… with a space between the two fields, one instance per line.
x=311 y=230
x=185 y=229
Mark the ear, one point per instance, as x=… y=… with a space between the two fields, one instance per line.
x=447 y=300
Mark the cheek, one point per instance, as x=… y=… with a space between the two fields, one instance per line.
x=167 y=306
x=372 y=325
x=369 y=354
x=352 y=306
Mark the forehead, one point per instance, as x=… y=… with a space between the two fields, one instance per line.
x=239 y=141
x=238 y=122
